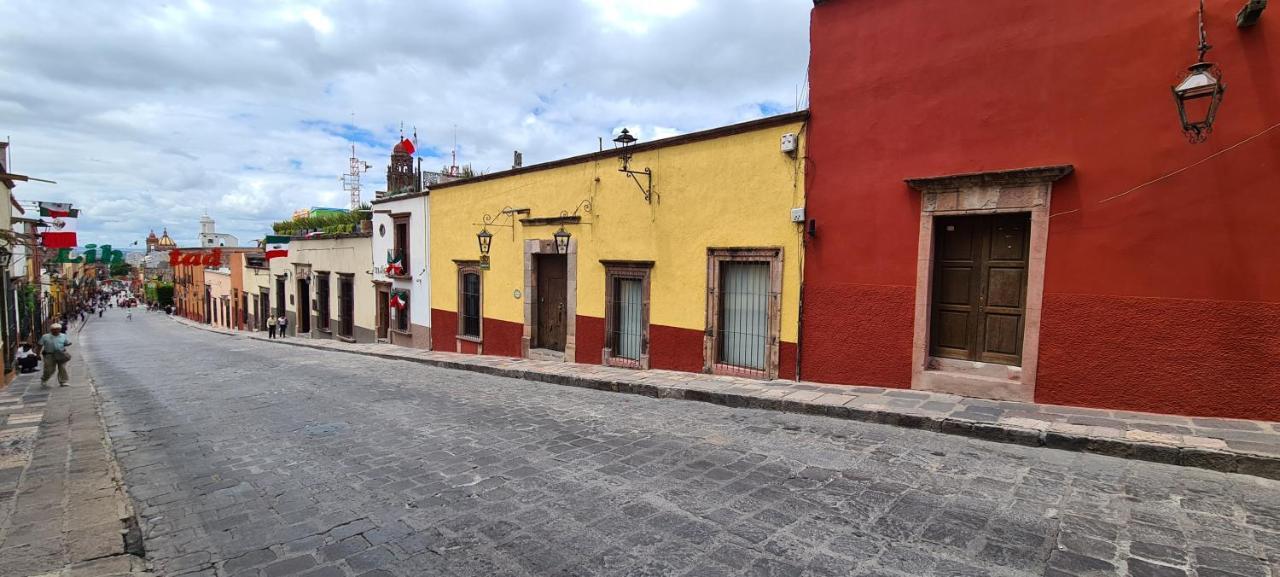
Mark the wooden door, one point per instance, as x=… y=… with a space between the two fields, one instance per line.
x=304 y=307
x=384 y=306
x=552 y=301
x=980 y=287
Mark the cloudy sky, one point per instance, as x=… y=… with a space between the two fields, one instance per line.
x=148 y=114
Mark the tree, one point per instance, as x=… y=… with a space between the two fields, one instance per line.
x=121 y=269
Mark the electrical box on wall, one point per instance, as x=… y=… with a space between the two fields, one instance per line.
x=789 y=143
x=797 y=214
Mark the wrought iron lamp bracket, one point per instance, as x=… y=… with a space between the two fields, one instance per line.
x=646 y=187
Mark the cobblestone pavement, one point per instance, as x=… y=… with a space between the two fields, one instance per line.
x=1226 y=445
x=253 y=458
x=61 y=510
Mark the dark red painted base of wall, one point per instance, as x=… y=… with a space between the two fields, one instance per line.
x=1188 y=357
x=858 y=334
x=675 y=349
x=589 y=342
x=670 y=348
x=501 y=338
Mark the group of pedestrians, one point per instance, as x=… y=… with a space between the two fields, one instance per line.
x=277 y=326
x=50 y=349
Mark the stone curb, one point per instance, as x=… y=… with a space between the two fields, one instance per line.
x=1203 y=452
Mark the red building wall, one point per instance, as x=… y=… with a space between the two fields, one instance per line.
x=1163 y=297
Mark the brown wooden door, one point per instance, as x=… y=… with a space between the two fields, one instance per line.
x=384 y=309
x=979 y=287
x=552 y=300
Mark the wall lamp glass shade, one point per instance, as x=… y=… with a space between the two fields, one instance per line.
x=1198 y=97
x=562 y=241
x=485 y=238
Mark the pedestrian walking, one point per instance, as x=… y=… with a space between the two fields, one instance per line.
x=99 y=313
x=53 y=350
x=282 y=325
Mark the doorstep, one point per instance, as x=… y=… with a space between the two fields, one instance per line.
x=1227 y=445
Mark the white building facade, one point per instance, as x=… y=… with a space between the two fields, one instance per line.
x=400 y=268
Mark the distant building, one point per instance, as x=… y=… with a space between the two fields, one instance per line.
x=209 y=238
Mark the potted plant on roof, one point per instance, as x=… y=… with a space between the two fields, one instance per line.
x=365 y=210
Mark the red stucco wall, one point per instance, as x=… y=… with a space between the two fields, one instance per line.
x=501 y=338
x=1161 y=298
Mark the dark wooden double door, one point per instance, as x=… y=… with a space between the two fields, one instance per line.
x=552 y=305
x=980 y=287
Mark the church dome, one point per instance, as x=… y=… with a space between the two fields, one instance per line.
x=166 y=241
x=152 y=237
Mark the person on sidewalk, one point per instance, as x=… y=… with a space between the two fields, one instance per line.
x=271 y=328
x=27 y=359
x=282 y=324
x=53 y=350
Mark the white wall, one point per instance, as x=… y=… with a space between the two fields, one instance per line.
x=419 y=286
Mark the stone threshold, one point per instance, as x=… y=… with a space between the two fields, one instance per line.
x=1225 y=445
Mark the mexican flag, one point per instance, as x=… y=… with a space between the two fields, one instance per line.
x=61 y=230
x=277 y=246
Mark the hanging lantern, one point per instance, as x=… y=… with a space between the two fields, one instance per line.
x=562 y=240
x=1198 y=97
x=1200 y=92
x=486 y=240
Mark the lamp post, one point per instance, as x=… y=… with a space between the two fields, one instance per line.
x=562 y=240
x=1200 y=92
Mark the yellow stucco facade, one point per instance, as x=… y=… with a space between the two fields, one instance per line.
x=726 y=188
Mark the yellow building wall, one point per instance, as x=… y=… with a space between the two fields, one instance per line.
x=730 y=191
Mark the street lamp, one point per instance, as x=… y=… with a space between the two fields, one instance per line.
x=486 y=240
x=1199 y=93
x=624 y=142
x=562 y=240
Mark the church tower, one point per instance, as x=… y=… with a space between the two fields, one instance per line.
x=153 y=241
x=400 y=174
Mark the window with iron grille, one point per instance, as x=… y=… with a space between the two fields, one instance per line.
x=401 y=239
x=402 y=315
x=627 y=313
x=323 y=299
x=470 y=301
x=347 y=304
x=743 y=311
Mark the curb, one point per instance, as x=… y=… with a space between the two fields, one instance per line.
x=1199 y=452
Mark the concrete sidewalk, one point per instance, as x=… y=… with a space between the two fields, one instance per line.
x=62 y=509
x=1227 y=445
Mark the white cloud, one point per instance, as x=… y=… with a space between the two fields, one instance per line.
x=148 y=114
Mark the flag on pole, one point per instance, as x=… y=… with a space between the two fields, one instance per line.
x=61 y=231
x=58 y=209
x=277 y=246
x=407 y=145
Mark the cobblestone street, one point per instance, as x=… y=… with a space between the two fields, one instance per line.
x=251 y=458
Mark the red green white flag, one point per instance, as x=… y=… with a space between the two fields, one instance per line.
x=277 y=246
x=61 y=229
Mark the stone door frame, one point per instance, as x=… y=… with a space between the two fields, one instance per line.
x=1025 y=190
x=530 y=297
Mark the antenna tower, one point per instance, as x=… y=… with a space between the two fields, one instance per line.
x=351 y=180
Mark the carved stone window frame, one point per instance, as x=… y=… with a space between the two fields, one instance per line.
x=1025 y=190
x=716 y=257
x=626 y=269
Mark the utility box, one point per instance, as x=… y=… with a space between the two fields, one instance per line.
x=789 y=143
x=797 y=214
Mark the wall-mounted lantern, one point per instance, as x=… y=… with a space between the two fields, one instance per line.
x=486 y=240
x=1200 y=92
x=624 y=142
x=562 y=240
